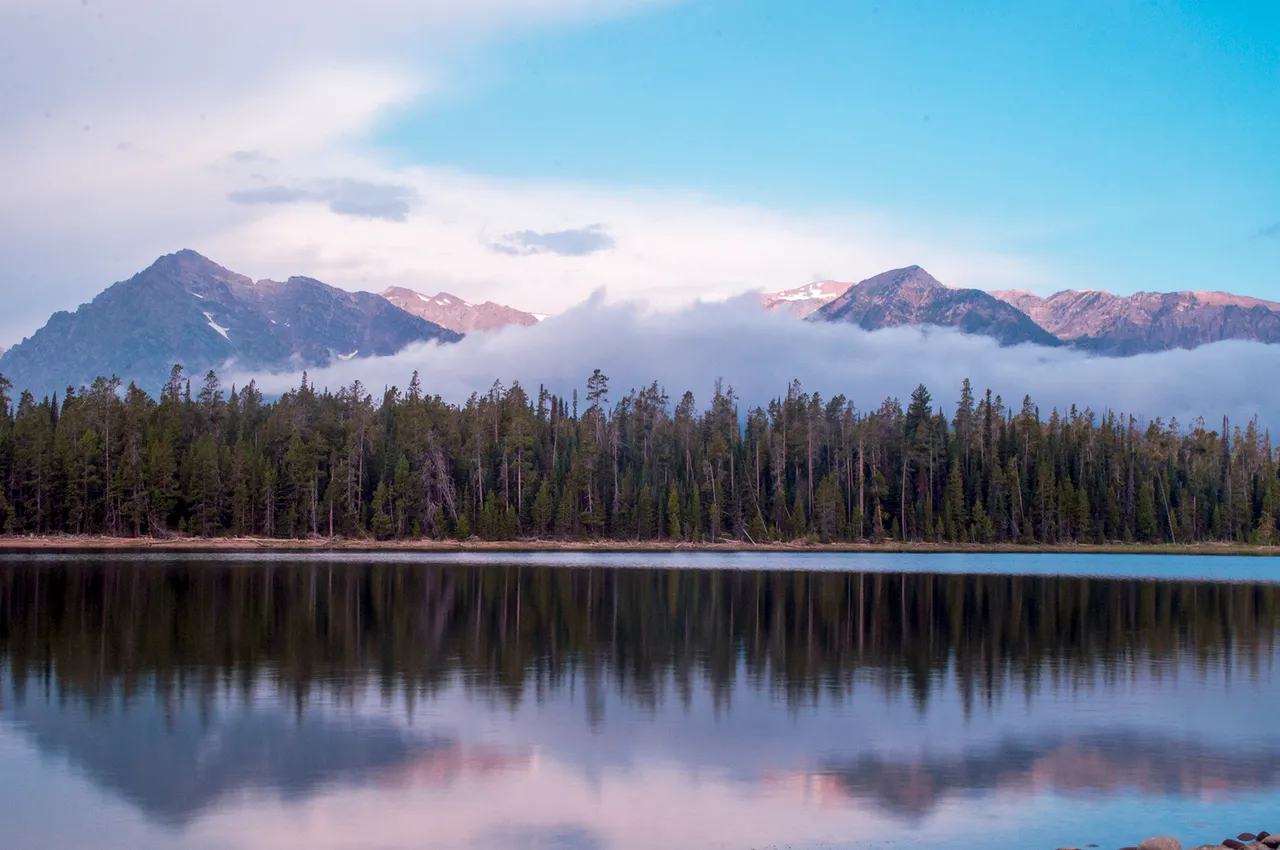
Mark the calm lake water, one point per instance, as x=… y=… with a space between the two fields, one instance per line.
x=591 y=702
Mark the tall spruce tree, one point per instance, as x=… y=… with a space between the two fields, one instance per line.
x=104 y=460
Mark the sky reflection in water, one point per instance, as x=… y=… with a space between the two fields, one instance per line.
x=324 y=704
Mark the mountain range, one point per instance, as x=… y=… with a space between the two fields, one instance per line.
x=1092 y=320
x=185 y=309
x=1148 y=321
x=912 y=296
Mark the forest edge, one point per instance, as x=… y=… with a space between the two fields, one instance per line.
x=71 y=542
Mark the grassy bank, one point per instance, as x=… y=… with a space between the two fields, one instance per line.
x=219 y=544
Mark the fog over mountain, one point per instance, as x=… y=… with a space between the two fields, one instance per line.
x=912 y=296
x=758 y=353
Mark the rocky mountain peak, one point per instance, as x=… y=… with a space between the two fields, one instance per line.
x=458 y=314
x=803 y=300
x=186 y=309
x=1105 y=323
x=912 y=296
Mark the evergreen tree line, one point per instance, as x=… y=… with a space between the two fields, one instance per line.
x=114 y=626
x=509 y=465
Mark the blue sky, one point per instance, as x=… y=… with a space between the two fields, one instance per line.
x=533 y=152
x=1129 y=145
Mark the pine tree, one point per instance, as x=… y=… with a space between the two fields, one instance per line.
x=955 y=517
x=644 y=514
x=982 y=532
x=336 y=463
x=543 y=509
x=1265 y=532
x=382 y=526
x=828 y=510
x=567 y=512
x=203 y=490
x=714 y=519
x=673 y=512
x=1083 y=516
x=1146 y=521
x=799 y=522
x=694 y=524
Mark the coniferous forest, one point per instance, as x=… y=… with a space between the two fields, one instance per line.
x=207 y=461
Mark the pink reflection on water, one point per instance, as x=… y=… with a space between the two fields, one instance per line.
x=441 y=768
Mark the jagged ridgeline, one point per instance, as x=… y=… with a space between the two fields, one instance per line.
x=508 y=464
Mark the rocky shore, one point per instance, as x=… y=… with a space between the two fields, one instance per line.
x=1244 y=841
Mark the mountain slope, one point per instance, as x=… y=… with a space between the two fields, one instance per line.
x=804 y=300
x=912 y=296
x=187 y=309
x=1148 y=321
x=452 y=312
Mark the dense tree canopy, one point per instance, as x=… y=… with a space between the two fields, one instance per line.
x=507 y=465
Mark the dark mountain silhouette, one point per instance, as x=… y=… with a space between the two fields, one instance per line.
x=185 y=309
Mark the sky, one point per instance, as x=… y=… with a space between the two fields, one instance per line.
x=535 y=151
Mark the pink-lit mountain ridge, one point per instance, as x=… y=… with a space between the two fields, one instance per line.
x=450 y=311
x=1093 y=320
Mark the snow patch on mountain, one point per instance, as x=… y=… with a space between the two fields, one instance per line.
x=217 y=327
x=457 y=314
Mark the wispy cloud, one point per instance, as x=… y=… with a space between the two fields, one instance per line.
x=270 y=168
x=251 y=158
x=1271 y=232
x=210 y=112
x=759 y=353
x=357 y=198
x=271 y=195
x=567 y=243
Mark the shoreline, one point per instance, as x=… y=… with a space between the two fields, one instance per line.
x=95 y=543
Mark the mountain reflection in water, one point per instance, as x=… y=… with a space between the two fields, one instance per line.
x=182 y=687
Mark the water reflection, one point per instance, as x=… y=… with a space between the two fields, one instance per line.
x=513 y=706
x=175 y=757
x=1082 y=765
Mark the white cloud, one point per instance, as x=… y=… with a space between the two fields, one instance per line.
x=664 y=248
x=759 y=353
x=131 y=125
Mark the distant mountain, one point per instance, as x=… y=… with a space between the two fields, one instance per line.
x=187 y=309
x=912 y=296
x=804 y=300
x=452 y=312
x=1148 y=321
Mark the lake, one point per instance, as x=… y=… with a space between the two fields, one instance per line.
x=618 y=702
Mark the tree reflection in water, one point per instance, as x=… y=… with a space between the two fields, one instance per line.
x=190 y=627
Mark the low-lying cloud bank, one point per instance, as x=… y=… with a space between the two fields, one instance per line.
x=759 y=353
